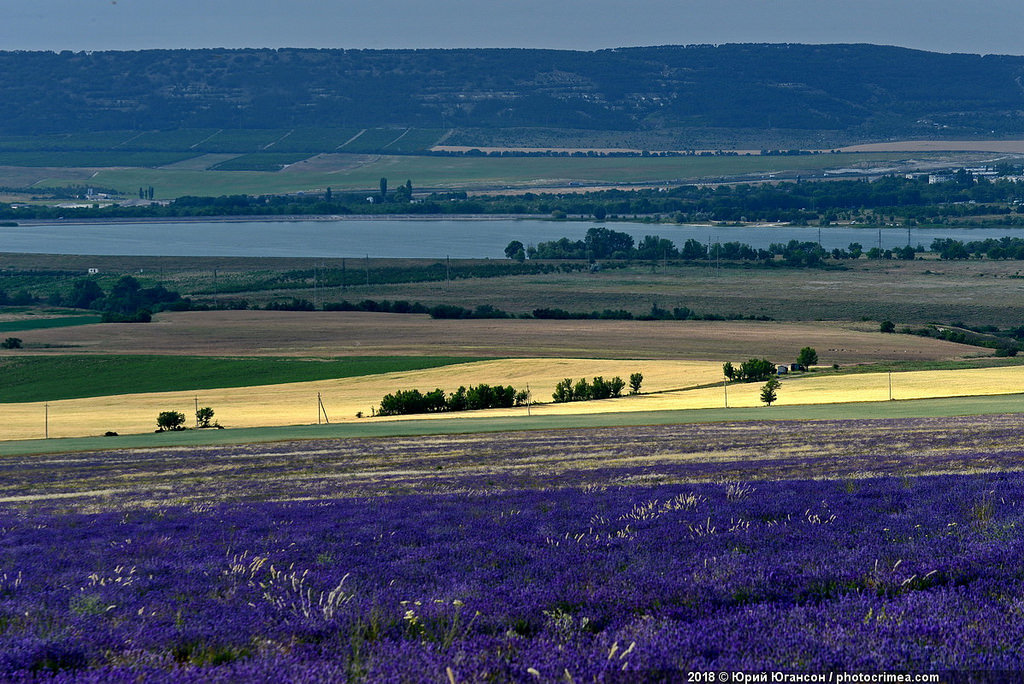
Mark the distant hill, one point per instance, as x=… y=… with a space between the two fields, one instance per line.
x=835 y=92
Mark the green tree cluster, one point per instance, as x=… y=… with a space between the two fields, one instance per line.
x=170 y=421
x=751 y=370
x=581 y=390
x=483 y=396
x=126 y=302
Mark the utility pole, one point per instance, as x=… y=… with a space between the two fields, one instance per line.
x=321 y=409
x=725 y=386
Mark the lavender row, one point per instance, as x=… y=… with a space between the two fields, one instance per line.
x=918 y=573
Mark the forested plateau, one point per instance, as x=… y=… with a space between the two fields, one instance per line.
x=838 y=92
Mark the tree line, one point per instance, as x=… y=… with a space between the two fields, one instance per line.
x=476 y=397
x=483 y=396
x=602 y=243
x=913 y=200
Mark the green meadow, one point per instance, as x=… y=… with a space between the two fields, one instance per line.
x=49 y=378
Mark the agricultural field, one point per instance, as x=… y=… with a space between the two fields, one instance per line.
x=426 y=172
x=976 y=292
x=641 y=553
x=327 y=334
x=66 y=376
x=668 y=386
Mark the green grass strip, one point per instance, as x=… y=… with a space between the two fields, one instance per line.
x=49 y=378
x=61 y=322
x=915 y=408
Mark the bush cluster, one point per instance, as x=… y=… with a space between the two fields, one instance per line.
x=483 y=396
x=581 y=390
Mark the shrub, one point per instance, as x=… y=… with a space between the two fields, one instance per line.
x=11 y=343
x=204 y=416
x=170 y=421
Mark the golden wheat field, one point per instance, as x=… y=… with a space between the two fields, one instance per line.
x=296 y=403
x=665 y=388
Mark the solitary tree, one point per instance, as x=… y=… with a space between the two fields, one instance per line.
x=887 y=327
x=383 y=187
x=204 y=416
x=768 y=392
x=515 y=250
x=170 y=420
x=807 y=357
x=635 y=380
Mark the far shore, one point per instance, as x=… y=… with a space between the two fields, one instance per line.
x=291 y=218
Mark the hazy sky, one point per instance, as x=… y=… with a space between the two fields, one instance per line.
x=979 y=26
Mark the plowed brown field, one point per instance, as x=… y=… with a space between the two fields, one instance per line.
x=267 y=333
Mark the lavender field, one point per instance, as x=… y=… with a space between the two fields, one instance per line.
x=627 y=554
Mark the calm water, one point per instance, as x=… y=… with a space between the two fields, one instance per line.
x=469 y=238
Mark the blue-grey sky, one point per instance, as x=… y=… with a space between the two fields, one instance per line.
x=977 y=26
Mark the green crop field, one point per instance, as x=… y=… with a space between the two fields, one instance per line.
x=373 y=140
x=43 y=323
x=239 y=141
x=178 y=141
x=428 y=172
x=90 y=158
x=260 y=161
x=39 y=378
x=103 y=140
x=314 y=140
x=416 y=140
